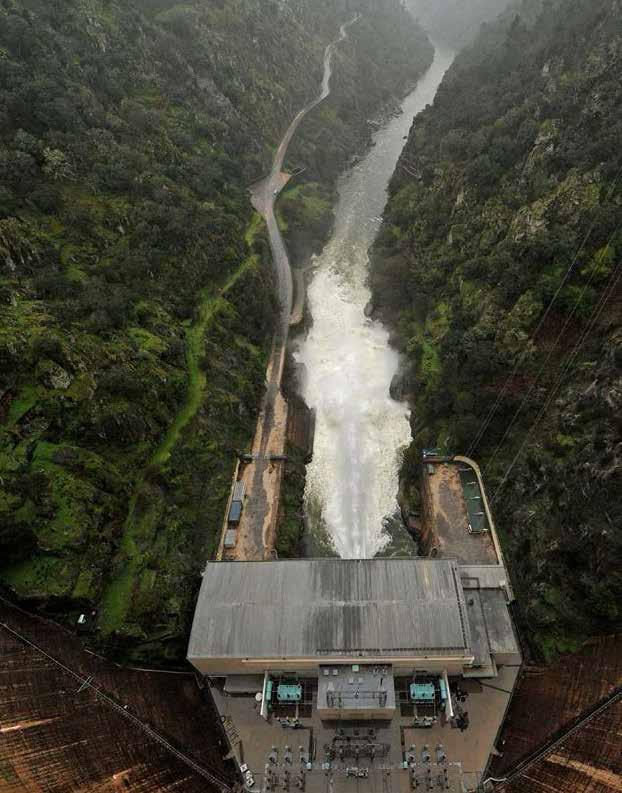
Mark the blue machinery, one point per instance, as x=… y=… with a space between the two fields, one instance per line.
x=443 y=688
x=286 y=693
x=430 y=697
x=289 y=692
x=425 y=693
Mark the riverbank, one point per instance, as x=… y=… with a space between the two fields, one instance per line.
x=347 y=360
x=120 y=423
x=304 y=209
x=497 y=265
x=375 y=67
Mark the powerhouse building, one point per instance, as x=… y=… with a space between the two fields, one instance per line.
x=354 y=624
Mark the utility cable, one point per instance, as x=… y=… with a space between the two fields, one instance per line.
x=552 y=744
x=500 y=396
x=544 y=365
x=86 y=683
x=596 y=313
x=493 y=410
x=593 y=319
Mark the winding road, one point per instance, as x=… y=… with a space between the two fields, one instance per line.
x=257 y=530
x=264 y=193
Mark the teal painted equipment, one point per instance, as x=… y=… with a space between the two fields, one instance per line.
x=422 y=692
x=269 y=690
x=443 y=690
x=289 y=692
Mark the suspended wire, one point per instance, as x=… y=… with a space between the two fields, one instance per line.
x=594 y=317
x=545 y=364
x=500 y=396
x=556 y=387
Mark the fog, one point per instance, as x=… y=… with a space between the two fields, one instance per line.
x=455 y=22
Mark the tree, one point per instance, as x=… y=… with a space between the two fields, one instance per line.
x=56 y=165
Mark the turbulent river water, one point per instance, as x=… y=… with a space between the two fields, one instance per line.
x=360 y=431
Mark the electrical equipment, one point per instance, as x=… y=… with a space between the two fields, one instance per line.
x=423 y=692
x=289 y=692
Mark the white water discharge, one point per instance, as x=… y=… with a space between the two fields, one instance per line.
x=361 y=432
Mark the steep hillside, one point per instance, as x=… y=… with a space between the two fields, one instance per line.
x=369 y=81
x=135 y=286
x=498 y=265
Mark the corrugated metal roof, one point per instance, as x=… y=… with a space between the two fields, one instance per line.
x=310 y=608
x=230 y=538
x=487 y=576
x=498 y=622
x=235 y=512
x=490 y=623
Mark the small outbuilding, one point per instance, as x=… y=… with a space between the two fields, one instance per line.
x=235 y=512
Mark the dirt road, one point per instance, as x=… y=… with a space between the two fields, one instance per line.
x=257 y=530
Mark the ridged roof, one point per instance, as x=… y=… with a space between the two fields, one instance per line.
x=330 y=607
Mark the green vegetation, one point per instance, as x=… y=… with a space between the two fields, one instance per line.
x=290 y=530
x=370 y=78
x=147 y=502
x=510 y=175
x=136 y=300
x=135 y=288
x=208 y=308
x=305 y=217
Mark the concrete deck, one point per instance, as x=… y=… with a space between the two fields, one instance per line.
x=450 y=517
x=467 y=752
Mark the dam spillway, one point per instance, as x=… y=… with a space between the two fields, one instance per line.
x=360 y=431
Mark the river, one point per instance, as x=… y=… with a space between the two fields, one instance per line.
x=361 y=432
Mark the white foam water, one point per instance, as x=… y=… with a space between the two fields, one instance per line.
x=361 y=432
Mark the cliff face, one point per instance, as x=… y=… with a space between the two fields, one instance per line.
x=135 y=287
x=498 y=264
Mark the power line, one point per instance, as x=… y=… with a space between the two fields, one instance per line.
x=493 y=410
x=491 y=413
x=545 y=364
x=571 y=358
x=549 y=746
x=597 y=311
x=86 y=682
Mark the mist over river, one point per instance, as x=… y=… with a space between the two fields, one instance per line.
x=361 y=432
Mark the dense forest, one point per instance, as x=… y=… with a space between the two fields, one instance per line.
x=498 y=267
x=136 y=300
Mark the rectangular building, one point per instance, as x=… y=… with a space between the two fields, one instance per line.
x=356 y=692
x=294 y=616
